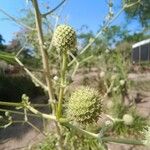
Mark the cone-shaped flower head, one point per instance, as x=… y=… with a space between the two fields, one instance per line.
x=64 y=38
x=84 y=106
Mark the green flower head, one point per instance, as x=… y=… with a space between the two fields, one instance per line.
x=84 y=105
x=64 y=38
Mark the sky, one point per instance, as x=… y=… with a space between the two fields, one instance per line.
x=75 y=12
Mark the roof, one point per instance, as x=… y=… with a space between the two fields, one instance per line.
x=141 y=43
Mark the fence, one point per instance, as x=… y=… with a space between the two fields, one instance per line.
x=141 y=51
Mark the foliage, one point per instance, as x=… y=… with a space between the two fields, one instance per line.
x=1 y=39
x=140 y=12
x=72 y=141
x=86 y=104
x=2 y=46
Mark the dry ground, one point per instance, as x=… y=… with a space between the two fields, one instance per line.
x=22 y=136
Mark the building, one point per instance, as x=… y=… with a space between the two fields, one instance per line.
x=141 y=52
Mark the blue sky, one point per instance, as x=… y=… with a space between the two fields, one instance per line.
x=76 y=12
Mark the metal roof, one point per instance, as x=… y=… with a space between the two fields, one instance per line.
x=141 y=43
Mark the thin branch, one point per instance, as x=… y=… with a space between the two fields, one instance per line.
x=109 y=89
x=56 y=23
x=35 y=111
x=6 y=125
x=122 y=141
x=35 y=128
x=104 y=139
x=10 y=104
x=80 y=130
x=101 y=31
x=46 y=65
x=76 y=66
x=31 y=75
x=54 y=9
x=18 y=113
x=105 y=26
x=133 y=4
x=18 y=53
x=16 y=20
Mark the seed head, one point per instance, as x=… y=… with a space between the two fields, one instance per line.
x=64 y=38
x=84 y=106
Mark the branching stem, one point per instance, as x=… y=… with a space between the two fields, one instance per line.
x=54 y=9
x=46 y=66
x=16 y=20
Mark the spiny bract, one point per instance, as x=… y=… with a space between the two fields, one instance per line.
x=84 y=106
x=64 y=38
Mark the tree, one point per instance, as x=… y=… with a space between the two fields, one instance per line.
x=140 y=11
x=1 y=39
x=2 y=47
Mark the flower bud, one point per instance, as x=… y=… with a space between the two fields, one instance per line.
x=122 y=82
x=64 y=38
x=128 y=119
x=102 y=74
x=56 y=78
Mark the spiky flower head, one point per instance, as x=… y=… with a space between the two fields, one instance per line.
x=84 y=105
x=146 y=133
x=64 y=38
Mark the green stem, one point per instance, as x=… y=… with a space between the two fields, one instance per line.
x=31 y=75
x=11 y=104
x=46 y=66
x=122 y=141
x=62 y=83
x=43 y=115
x=18 y=112
x=80 y=130
x=35 y=128
x=20 y=104
x=104 y=139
